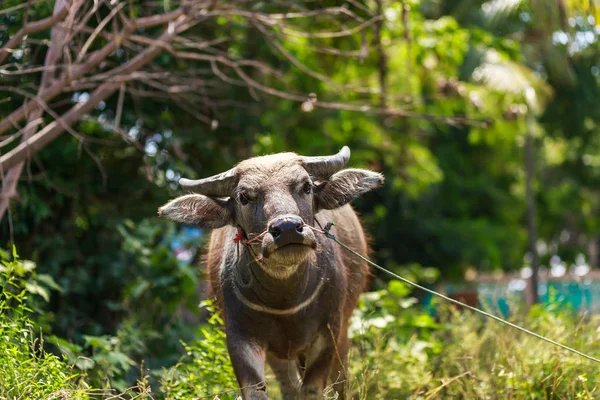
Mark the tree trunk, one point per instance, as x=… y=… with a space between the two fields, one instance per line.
x=593 y=253
x=57 y=36
x=529 y=157
x=382 y=67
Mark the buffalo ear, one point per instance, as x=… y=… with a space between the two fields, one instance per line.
x=345 y=186
x=196 y=209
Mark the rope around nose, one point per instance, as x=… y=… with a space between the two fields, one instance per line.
x=326 y=232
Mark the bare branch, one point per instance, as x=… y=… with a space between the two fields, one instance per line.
x=391 y=112
x=326 y=35
x=18 y=7
x=55 y=129
x=100 y=26
x=43 y=107
x=12 y=138
x=11 y=179
x=78 y=71
x=98 y=163
x=120 y=106
x=190 y=110
x=21 y=71
x=32 y=27
x=361 y=6
x=315 y=13
x=117 y=130
x=198 y=90
x=155 y=20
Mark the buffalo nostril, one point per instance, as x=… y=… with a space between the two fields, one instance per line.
x=275 y=232
x=299 y=227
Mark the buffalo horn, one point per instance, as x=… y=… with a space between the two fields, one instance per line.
x=220 y=185
x=325 y=166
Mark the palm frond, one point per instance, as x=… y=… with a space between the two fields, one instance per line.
x=497 y=12
x=510 y=77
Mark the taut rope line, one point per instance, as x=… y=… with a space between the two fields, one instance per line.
x=331 y=236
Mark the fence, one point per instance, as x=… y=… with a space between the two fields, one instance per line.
x=581 y=293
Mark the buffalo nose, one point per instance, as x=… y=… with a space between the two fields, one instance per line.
x=287 y=229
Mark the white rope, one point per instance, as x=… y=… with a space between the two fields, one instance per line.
x=326 y=232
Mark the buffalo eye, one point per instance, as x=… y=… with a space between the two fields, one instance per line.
x=307 y=188
x=243 y=199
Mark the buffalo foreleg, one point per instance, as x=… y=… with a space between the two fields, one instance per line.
x=248 y=361
x=288 y=376
x=317 y=372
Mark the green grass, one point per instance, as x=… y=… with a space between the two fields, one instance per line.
x=399 y=351
x=28 y=372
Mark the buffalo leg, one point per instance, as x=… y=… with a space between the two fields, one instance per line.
x=248 y=361
x=317 y=372
x=287 y=374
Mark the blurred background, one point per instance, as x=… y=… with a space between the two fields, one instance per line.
x=483 y=116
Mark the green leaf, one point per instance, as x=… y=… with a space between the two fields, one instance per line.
x=97 y=342
x=121 y=359
x=34 y=288
x=49 y=281
x=85 y=363
x=398 y=289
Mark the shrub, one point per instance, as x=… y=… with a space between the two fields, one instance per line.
x=28 y=371
x=206 y=370
x=400 y=351
x=393 y=342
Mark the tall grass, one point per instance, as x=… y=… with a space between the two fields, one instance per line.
x=27 y=371
x=399 y=351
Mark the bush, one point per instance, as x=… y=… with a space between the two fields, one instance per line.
x=400 y=351
x=206 y=369
x=28 y=371
x=393 y=342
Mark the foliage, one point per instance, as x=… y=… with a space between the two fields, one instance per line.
x=206 y=369
x=392 y=343
x=454 y=197
x=401 y=351
x=159 y=291
x=28 y=370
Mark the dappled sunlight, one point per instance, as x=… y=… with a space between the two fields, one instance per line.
x=472 y=162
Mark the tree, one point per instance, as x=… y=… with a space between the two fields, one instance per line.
x=556 y=44
x=228 y=87
x=119 y=49
x=279 y=77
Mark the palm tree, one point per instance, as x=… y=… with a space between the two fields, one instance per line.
x=550 y=36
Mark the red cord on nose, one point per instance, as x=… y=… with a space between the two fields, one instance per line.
x=241 y=237
x=238 y=238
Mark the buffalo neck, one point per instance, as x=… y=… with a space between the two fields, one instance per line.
x=279 y=293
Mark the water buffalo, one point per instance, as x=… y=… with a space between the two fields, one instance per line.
x=286 y=291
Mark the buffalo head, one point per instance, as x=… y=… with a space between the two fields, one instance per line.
x=277 y=196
